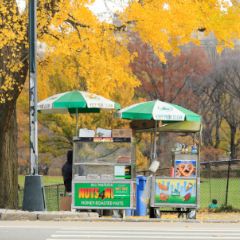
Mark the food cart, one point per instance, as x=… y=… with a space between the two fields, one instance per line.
x=180 y=191
x=168 y=191
x=103 y=173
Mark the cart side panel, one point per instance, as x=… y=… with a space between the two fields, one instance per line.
x=103 y=195
x=174 y=192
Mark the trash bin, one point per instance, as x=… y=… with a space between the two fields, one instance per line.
x=141 y=206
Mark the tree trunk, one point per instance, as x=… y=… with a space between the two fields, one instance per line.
x=217 y=130
x=8 y=157
x=207 y=135
x=232 y=142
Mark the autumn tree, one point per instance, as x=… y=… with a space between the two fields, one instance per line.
x=224 y=97
x=220 y=103
x=87 y=56
x=166 y=25
x=13 y=74
x=230 y=74
x=80 y=53
x=83 y=52
x=173 y=81
x=209 y=93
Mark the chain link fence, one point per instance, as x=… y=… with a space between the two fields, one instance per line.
x=52 y=194
x=220 y=180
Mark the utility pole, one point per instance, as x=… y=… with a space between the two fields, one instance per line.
x=33 y=199
x=33 y=88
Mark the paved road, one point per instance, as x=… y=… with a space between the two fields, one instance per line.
x=117 y=230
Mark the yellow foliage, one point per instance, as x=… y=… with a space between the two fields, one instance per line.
x=85 y=55
x=12 y=44
x=166 y=25
x=142 y=161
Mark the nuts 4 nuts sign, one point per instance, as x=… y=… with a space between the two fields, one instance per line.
x=102 y=195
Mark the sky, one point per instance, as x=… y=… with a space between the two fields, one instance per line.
x=104 y=9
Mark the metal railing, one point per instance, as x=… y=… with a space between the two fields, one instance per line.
x=52 y=194
x=220 y=180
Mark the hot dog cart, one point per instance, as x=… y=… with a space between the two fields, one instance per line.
x=103 y=173
x=180 y=190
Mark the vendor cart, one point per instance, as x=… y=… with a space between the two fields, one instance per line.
x=168 y=190
x=103 y=173
x=180 y=191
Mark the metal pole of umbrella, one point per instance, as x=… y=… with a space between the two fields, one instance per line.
x=151 y=146
x=77 y=122
x=155 y=141
x=33 y=199
x=154 y=156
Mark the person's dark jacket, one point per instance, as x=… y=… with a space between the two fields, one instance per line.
x=67 y=172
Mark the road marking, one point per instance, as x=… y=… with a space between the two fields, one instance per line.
x=149 y=231
x=81 y=237
x=160 y=228
x=121 y=233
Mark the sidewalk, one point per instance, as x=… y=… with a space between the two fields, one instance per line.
x=8 y=214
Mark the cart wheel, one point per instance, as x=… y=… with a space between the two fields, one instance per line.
x=192 y=214
x=100 y=212
x=152 y=212
x=180 y=212
x=157 y=213
x=123 y=213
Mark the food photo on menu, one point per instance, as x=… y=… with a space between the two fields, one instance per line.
x=185 y=168
x=175 y=191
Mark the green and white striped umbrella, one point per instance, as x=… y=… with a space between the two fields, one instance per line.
x=159 y=111
x=76 y=101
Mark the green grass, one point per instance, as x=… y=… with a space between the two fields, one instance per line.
x=47 y=180
x=216 y=188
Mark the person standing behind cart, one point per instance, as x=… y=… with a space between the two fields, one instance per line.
x=67 y=172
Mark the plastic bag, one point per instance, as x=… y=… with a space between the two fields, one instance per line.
x=147 y=190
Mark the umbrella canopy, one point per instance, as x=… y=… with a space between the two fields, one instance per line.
x=159 y=111
x=76 y=102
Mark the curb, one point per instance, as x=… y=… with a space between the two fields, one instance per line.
x=66 y=216
x=10 y=215
x=16 y=215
